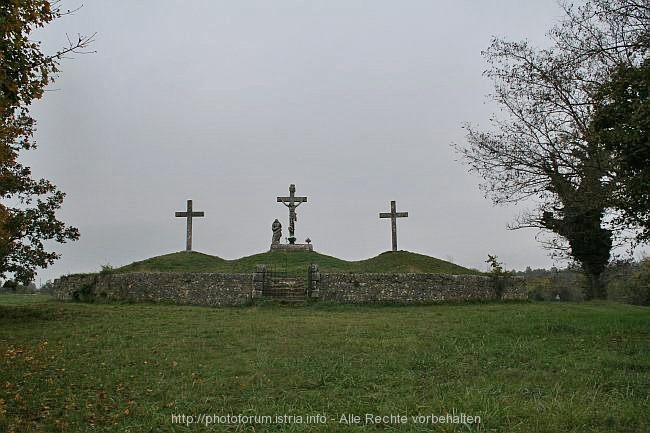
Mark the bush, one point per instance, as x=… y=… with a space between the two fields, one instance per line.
x=500 y=277
x=106 y=269
x=548 y=285
x=85 y=291
x=10 y=285
x=629 y=282
x=640 y=284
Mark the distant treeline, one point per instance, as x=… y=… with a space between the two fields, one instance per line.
x=627 y=281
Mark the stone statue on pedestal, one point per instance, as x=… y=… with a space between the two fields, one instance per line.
x=277 y=232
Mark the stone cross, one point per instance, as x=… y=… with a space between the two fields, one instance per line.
x=189 y=215
x=393 y=215
x=292 y=202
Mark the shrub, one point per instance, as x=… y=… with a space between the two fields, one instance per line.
x=500 y=278
x=629 y=282
x=107 y=269
x=640 y=284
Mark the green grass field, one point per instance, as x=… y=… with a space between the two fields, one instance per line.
x=296 y=263
x=521 y=367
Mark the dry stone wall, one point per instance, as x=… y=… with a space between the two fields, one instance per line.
x=210 y=289
x=214 y=289
x=414 y=288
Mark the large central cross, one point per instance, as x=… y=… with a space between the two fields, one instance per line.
x=393 y=215
x=292 y=202
x=189 y=215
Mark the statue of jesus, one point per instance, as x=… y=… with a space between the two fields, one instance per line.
x=292 y=202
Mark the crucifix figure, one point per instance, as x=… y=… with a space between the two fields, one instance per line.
x=189 y=215
x=393 y=215
x=292 y=202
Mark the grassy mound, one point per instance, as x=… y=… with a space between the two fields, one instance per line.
x=407 y=262
x=177 y=262
x=296 y=263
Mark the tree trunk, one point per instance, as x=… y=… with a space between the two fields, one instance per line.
x=595 y=286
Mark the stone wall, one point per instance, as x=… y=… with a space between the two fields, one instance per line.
x=214 y=289
x=414 y=288
x=180 y=288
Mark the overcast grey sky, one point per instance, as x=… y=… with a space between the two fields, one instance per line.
x=228 y=102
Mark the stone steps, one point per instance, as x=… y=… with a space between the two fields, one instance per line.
x=288 y=300
x=288 y=282
x=285 y=292
x=284 y=288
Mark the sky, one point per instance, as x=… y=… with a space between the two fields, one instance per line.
x=226 y=103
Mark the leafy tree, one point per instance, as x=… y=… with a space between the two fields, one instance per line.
x=621 y=122
x=499 y=276
x=543 y=147
x=28 y=205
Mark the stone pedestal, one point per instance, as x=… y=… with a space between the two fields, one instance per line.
x=258 y=281
x=290 y=247
x=313 y=281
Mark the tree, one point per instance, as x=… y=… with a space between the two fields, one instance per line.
x=499 y=276
x=543 y=148
x=621 y=121
x=28 y=207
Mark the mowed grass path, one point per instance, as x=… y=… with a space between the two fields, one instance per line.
x=544 y=367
